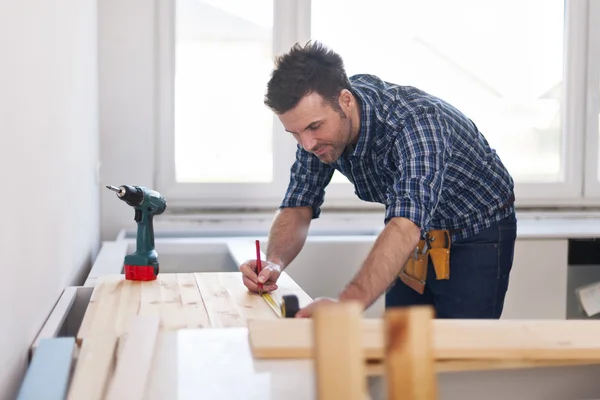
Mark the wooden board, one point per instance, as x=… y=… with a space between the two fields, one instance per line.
x=230 y=304
x=200 y=300
x=135 y=360
x=377 y=368
x=547 y=342
x=94 y=368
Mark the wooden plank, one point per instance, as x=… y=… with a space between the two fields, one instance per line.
x=517 y=339
x=175 y=298
x=339 y=361
x=453 y=339
x=377 y=367
x=134 y=362
x=193 y=310
x=230 y=304
x=181 y=304
x=48 y=374
x=410 y=370
x=94 y=368
x=164 y=371
x=486 y=365
x=127 y=307
x=227 y=300
x=292 y=338
x=101 y=304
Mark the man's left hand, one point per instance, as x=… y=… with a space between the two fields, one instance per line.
x=308 y=311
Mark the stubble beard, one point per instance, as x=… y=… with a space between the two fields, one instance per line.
x=337 y=149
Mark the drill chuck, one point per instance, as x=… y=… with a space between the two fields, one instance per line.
x=132 y=195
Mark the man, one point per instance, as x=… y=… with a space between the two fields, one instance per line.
x=412 y=152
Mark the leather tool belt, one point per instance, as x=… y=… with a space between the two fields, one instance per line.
x=435 y=245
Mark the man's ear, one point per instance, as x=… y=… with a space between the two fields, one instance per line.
x=346 y=100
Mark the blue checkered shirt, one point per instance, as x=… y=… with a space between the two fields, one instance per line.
x=418 y=156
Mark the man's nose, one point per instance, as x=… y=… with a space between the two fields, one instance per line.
x=309 y=143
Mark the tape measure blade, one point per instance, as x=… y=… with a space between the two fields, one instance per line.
x=272 y=303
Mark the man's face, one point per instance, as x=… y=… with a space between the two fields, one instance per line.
x=318 y=128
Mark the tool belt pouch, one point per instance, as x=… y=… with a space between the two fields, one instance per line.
x=414 y=273
x=439 y=252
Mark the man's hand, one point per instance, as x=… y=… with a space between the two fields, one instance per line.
x=268 y=275
x=308 y=311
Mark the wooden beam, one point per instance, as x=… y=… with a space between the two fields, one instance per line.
x=410 y=368
x=557 y=342
x=377 y=367
x=339 y=359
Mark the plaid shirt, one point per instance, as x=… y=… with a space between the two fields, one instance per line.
x=417 y=155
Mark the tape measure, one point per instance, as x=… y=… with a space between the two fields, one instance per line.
x=287 y=309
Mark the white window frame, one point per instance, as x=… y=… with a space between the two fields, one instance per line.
x=592 y=181
x=292 y=24
x=212 y=195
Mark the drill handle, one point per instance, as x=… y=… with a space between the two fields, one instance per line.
x=145 y=232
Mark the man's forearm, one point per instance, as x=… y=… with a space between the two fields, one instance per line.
x=383 y=264
x=288 y=234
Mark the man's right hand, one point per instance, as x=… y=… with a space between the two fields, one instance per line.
x=268 y=275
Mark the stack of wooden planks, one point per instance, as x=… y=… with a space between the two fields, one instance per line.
x=193 y=300
x=120 y=328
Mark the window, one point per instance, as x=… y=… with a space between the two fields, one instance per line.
x=509 y=81
x=520 y=69
x=215 y=57
x=223 y=57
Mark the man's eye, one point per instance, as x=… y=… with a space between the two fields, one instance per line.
x=314 y=127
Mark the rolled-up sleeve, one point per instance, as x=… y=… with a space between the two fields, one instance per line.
x=308 y=179
x=418 y=158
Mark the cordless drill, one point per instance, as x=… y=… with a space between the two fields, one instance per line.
x=142 y=265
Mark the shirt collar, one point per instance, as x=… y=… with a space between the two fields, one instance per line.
x=367 y=117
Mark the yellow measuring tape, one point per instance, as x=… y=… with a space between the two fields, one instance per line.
x=271 y=302
x=287 y=309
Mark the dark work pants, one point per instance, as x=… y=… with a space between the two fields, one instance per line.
x=480 y=266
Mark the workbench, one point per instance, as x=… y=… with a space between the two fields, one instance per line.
x=192 y=341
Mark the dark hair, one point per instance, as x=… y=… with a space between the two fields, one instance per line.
x=305 y=70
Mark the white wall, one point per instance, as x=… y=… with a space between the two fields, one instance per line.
x=127 y=104
x=49 y=228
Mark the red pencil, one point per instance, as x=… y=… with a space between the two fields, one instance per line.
x=258 y=264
